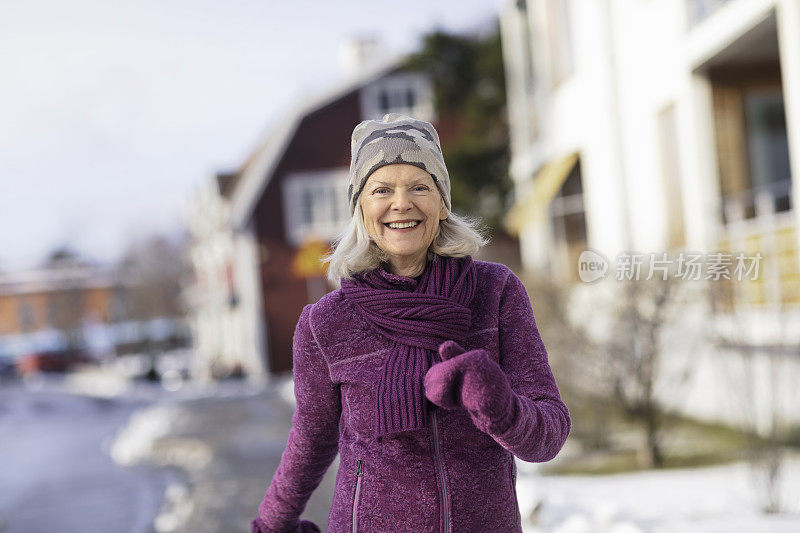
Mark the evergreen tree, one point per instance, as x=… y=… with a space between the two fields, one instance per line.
x=468 y=76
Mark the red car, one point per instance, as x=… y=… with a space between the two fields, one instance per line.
x=51 y=361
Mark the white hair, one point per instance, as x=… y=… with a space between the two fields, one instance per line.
x=355 y=251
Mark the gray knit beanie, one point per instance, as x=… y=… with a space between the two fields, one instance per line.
x=395 y=139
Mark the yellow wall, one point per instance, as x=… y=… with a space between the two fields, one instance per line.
x=96 y=304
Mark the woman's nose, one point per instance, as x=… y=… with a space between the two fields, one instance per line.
x=401 y=200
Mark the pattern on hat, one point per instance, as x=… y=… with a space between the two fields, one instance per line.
x=391 y=140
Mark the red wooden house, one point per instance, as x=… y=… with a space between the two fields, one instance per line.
x=292 y=191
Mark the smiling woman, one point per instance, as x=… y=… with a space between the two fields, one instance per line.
x=397 y=168
x=402 y=207
x=425 y=370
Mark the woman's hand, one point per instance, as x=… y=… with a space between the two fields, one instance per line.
x=473 y=380
x=304 y=526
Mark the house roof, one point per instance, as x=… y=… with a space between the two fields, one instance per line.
x=258 y=169
x=71 y=276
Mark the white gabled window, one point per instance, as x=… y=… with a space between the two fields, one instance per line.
x=315 y=202
x=407 y=93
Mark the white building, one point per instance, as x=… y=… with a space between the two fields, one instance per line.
x=225 y=313
x=666 y=126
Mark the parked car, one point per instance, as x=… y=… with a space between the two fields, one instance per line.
x=8 y=368
x=52 y=361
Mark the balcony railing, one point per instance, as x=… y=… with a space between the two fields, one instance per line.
x=759 y=201
x=759 y=222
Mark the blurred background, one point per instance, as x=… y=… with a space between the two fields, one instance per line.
x=171 y=174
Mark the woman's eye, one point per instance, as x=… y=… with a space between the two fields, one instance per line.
x=382 y=190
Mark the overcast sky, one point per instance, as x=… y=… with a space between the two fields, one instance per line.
x=112 y=112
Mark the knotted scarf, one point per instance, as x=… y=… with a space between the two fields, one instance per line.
x=416 y=321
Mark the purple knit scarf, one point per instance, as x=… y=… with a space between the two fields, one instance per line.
x=416 y=321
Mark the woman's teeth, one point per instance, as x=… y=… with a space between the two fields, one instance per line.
x=402 y=225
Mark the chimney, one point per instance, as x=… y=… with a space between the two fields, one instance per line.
x=357 y=54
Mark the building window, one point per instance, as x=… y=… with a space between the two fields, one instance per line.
x=383 y=101
x=230 y=285
x=411 y=98
x=52 y=310
x=767 y=143
x=27 y=318
x=699 y=10
x=397 y=99
x=315 y=203
x=307 y=206
x=519 y=32
x=568 y=222
x=119 y=304
x=406 y=93
x=752 y=149
x=560 y=40
x=670 y=176
x=527 y=45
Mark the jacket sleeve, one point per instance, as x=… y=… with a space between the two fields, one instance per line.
x=538 y=423
x=313 y=439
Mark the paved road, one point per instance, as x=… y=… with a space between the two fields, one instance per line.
x=222 y=448
x=246 y=436
x=55 y=472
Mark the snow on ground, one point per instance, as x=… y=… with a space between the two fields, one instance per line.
x=691 y=500
x=134 y=442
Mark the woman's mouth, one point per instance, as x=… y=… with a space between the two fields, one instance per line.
x=404 y=227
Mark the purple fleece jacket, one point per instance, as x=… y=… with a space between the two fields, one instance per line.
x=458 y=474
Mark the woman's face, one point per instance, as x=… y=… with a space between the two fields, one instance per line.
x=399 y=193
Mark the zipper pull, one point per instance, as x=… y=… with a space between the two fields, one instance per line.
x=358 y=472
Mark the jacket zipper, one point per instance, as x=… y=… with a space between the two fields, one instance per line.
x=440 y=469
x=359 y=477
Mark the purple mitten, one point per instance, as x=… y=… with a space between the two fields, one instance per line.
x=304 y=526
x=472 y=380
